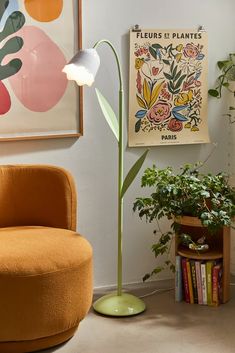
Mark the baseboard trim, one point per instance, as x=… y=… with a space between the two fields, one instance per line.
x=136 y=288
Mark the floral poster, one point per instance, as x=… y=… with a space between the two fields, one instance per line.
x=168 y=87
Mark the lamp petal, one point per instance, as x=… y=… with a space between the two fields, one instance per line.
x=108 y=114
x=132 y=173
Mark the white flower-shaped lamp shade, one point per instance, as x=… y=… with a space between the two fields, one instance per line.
x=83 y=67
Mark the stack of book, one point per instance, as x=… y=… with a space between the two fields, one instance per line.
x=198 y=282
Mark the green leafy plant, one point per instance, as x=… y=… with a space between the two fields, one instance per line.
x=206 y=196
x=227 y=75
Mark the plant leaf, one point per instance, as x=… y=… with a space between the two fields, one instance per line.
x=221 y=64
x=213 y=92
x=155 y=93
x=146 y=92
x=133 y=172
x=108 y=114
x=141 y=102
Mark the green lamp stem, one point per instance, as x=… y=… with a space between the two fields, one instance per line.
x=120 y=167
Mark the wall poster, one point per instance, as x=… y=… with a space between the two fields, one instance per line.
x=168 y=87
x=38 y=38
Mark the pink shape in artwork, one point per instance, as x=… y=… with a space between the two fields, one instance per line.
x=5 y=100
x=39 y=84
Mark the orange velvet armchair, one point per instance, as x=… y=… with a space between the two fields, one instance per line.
x=45 y=266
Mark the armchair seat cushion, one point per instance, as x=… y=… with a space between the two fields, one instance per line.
x=45 y=286
x=33 y=251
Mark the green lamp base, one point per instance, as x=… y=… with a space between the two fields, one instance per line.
x=119 y=305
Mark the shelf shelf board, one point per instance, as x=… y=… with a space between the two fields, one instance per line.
x=209 y=255
x=189 y=221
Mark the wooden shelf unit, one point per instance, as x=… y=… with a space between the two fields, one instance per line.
x=219 y=247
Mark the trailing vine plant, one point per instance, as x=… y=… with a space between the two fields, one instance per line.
x=227 y=75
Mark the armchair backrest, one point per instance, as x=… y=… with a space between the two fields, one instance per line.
x=37 y=195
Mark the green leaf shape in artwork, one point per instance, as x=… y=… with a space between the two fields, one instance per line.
x=167 y=62
x=108 y=114
x=14 y=22
x=177 y=75
x=133 y=172
x=11 y=46
x=157 y=46
x=10 y=69
x=174 y=72
x=3 y=5
x=179 y=82
x=168 y=76
x=138 y=125
x=153 y=52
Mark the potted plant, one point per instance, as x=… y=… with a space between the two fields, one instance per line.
x=225 y=81
x=208 y=197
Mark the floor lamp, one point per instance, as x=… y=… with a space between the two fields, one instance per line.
x=82 y=68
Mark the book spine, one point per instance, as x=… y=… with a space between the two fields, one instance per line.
x=199 y=281
x=194 y=281
x=178 y=279
x=220 y=284
x=185 y=281
x=215 y=285
x=190 y=284
x=209 y=265
x=203 y=281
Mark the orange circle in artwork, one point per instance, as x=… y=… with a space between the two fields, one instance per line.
x=44 y=11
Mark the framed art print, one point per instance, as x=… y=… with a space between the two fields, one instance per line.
x=168 y=87
x=38 y=38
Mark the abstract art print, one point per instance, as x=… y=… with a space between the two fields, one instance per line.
x=37 y=39
x=168 y=87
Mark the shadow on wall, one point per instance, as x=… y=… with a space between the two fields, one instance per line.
x=14 y=148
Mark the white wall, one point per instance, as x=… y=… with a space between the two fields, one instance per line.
x=93 y=158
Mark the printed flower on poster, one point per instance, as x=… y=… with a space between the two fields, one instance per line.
x=175 y=125
x=183 y=98
x=168 y=87
x=159 y=113
x=191 y=50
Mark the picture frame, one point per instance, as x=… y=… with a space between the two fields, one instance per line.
x=37 y=101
